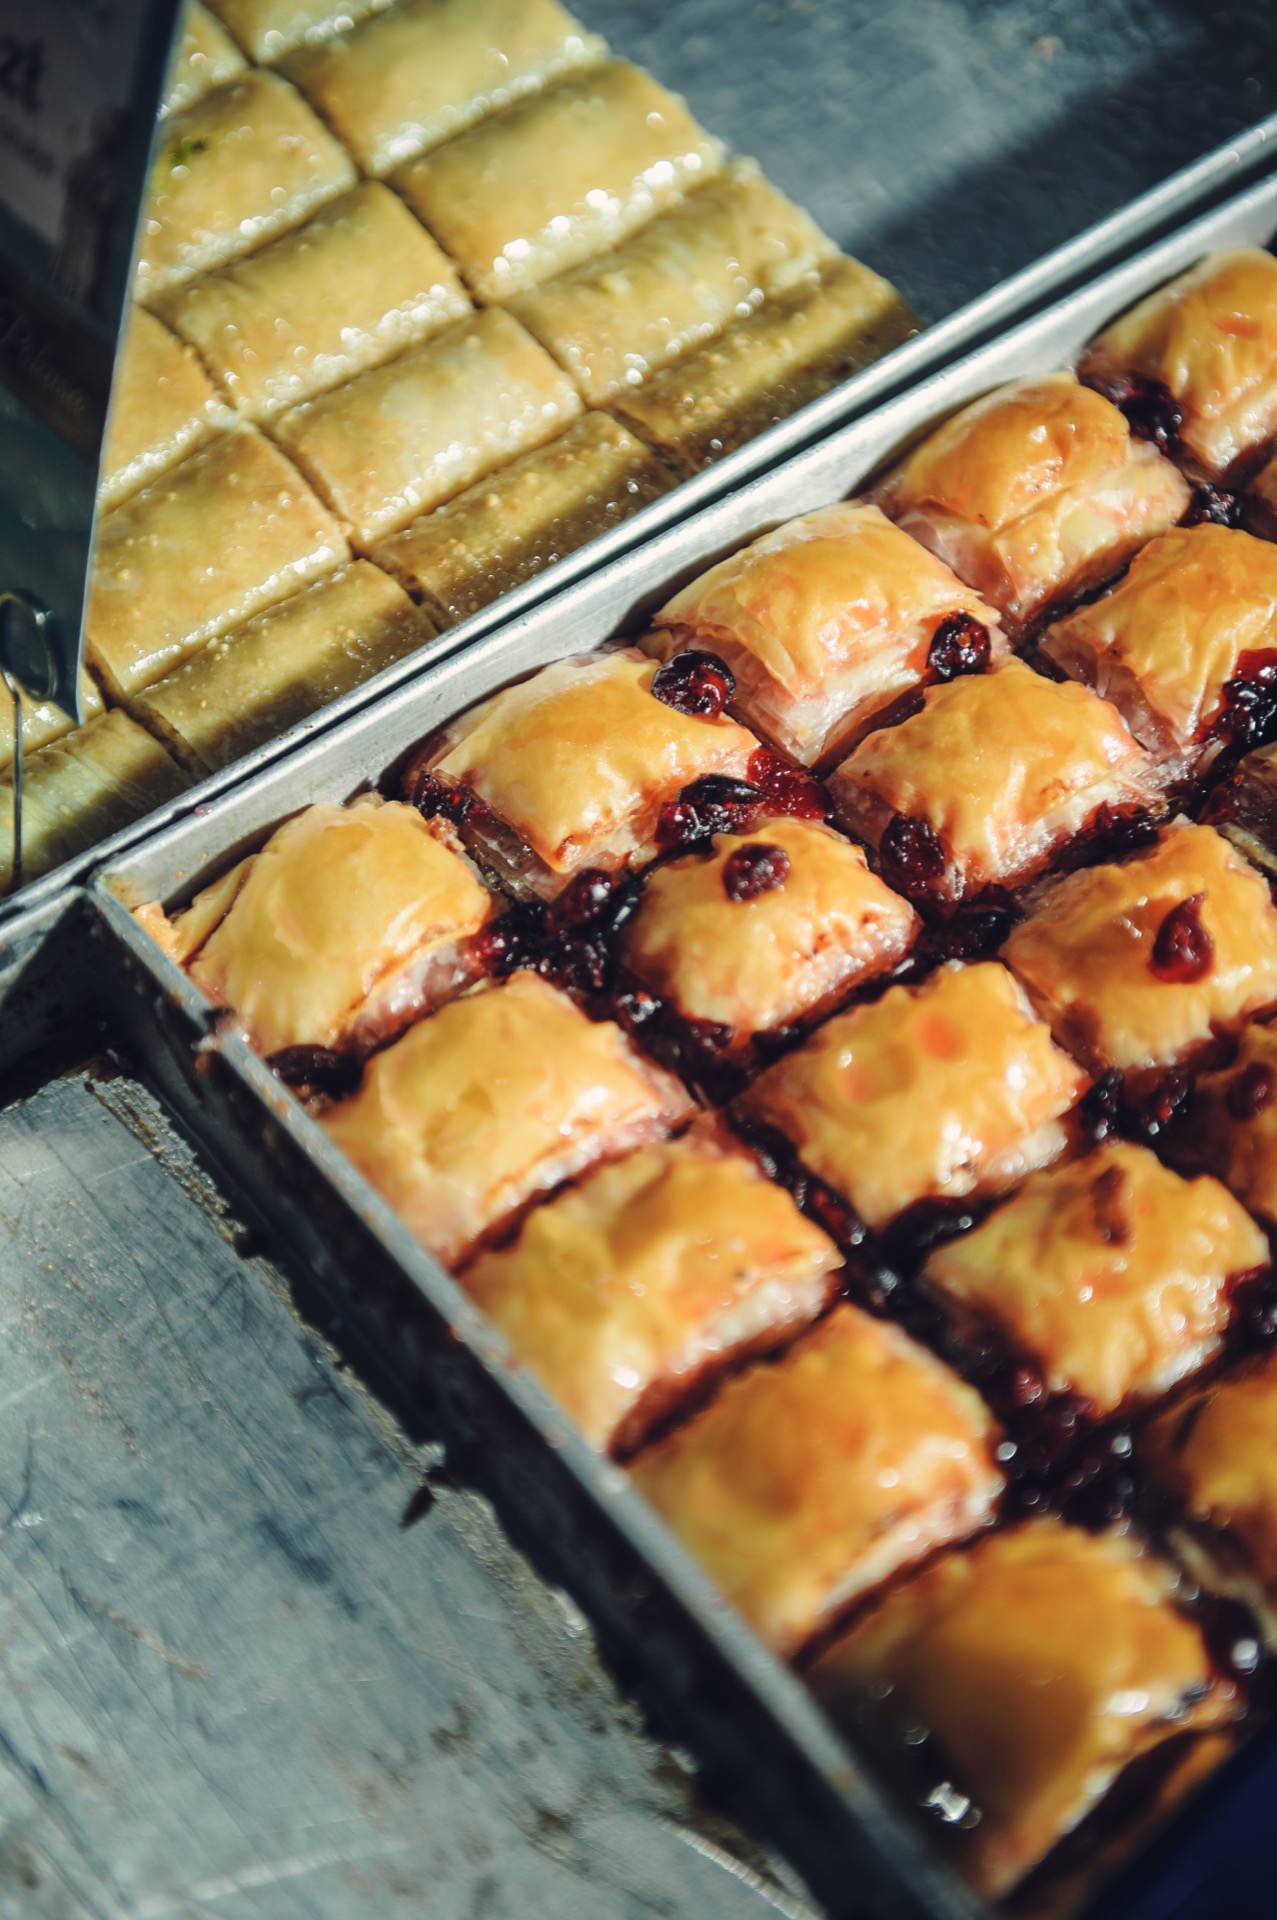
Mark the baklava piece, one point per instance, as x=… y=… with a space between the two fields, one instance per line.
x=709 y=260
x=1259 y=503
x=42 y=721
x=1112 y=1278
x=810 y=1481
x=1231 y=1127
x=92 y=782
x=1244 y=807
x=205 y=57
x=243 y=165
x=797 y=345
x=559 y=177
x=1186 y=645
x=1035 y=493
x=492 y=1102
x=406 y=436
x=424 y=70
x=521 y=519
x=250 y=685
x=1213 y=1457
x=826 y=622
x=769 y=927
x=347 y=925
x=353 y=287
x=991 y=777
x=628 y=1293
x=230 y=531
x=162 y=407
x=1011 y=1685
x=931 y=1093
x=268 y=29
x=1141 y=964
x=1195 y=364
x=572 y=768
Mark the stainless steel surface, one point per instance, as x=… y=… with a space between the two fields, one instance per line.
x=991 y=307
x=699 y=1651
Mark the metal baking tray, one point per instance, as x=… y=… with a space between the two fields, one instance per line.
x=808 y=1793
x=1170 y=203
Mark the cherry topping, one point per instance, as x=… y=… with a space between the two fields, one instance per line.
x=434 y=798
x=755 y=869
x=1150 y=407
x=1251 y=1091
x=1248 y=705
x=695 y=683
x=316 y=1072
x=911 y=854
x=786 y=789
x=959 y=644
x=713 y=804
x=1183 y=949
x=1213 y=504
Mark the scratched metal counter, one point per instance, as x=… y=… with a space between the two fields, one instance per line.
x=253 y=1660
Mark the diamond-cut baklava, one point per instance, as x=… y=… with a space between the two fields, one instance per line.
x=826 y=622
x=162 y=407
x=1231 y=1127
x=992 y=776
x=809 y=1481
x=934 y=1092
x=1110 y=1276
x=492 y=1102
x=627 y=1293
x=1035 y=493
x=1144 y=962
x=1013 y=1683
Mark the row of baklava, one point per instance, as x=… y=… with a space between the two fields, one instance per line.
x=878 y=933
x=550 y=294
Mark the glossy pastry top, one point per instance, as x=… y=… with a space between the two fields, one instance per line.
x=559 y=177
x=752 y=941
x=823 y=621
x=1110 y=1274
x=1209 y=338
x=163 y=406
x=808 y=1482
x=267 y=29
x=205 y=57
x=494 y=1099
x=579 y=759
x=1216 y=1453
x=423 y=70
x=932 y=1092
x=1232 y=1123
x=1139 y=962
x=42 y=722
x=625 y=1291
x=338 y=899
x=1040 y=1662
x=1198 y=604
x=89 y=783
x=1003 y=766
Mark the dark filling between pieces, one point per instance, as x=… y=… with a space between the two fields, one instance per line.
x=1151 y=409
x=959 y=645
x=1247 y=712
x=317 y=1073
x=1251 y=1091
x=695 y=683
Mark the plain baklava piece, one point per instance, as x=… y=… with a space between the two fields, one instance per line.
x=268 y=29
x=573 y=767
x=493 y=1101
x=1214 y=1457
x=825 y=622
x=93 y=781
x=1016 y=1681
x=630 y=1291
x=1196 y=362
x=524 y=517
x=230 y=531
x=1111 y=1276
x=241 y=166
x=205 y=57
x=1035 y=493
x=767 y=928
x=1194 y=621
x=810 y=1481
x=797 y=345
x=406 y=436
x=707 y=261
x=250 y=685
x=993 y=775
x=350 y=922
x=351 y=288
x=559 y=177
x=425 y=69
x=1142 y=963
x=162 y=407
x=42 y=721
x=931 y=1093
x=1231 y=1127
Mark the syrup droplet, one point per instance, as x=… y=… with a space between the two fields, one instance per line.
x=1183 y=949
x=785 y=789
